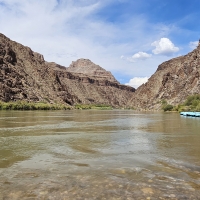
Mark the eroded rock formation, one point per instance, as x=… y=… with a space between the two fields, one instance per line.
x=173 y=81
x=25 y=75
x=86 y=67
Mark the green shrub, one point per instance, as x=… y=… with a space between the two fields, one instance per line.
x=168 y=107
x=192 y=100
x=198 y=107
x=192 y=103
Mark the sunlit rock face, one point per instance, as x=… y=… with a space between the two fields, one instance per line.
x=25 y=75
x=173 y=81
x=87 y=67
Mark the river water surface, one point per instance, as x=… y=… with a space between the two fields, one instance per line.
x=93 y=154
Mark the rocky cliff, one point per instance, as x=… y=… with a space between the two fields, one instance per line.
x=25 y=75
x=173 y=81
x=86 y=67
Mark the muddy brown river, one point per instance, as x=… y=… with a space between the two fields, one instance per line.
x=115 y=154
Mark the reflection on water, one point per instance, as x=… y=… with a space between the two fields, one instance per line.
x=99 y=155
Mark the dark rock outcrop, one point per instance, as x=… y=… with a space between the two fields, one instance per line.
x=25 y=75
x=173 y=81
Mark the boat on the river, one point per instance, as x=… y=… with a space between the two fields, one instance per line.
x=190 y=114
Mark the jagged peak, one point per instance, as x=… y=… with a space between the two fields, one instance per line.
x=82 y=62
x=87 y=67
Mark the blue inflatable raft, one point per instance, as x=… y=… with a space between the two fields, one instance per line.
x=190 y=114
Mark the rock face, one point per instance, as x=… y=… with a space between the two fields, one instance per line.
x=25 y=75
x=173 y=81
x=86 y=67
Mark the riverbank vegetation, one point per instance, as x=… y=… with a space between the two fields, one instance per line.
x=24 y=105
x=192 y=103
x=93 y=106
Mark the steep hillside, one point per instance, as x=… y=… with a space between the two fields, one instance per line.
x=173 y=81
x=24 y=75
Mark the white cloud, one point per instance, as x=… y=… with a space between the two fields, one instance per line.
x=65 y=30
x=164 y=46
x=138 y=56
x=137 y=81
x=194 y=44
x=141 y=55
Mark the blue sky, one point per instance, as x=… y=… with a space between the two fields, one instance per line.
x=130 y=38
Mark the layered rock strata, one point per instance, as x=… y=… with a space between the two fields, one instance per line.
x=86 y=67
x=25 y=75
x=173 y=81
